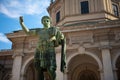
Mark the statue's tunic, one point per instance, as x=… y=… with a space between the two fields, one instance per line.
x=45 y=52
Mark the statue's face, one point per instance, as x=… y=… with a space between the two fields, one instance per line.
x=46 y=22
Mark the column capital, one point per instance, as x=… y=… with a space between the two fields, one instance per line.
x=105 y=47
x=17 y=53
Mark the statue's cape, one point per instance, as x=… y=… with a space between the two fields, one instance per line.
x=63 y=55
x=60 y=40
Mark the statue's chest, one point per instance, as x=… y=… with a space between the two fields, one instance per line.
x=44 y=35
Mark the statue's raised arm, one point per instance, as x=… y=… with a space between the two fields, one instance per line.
x=26 y=30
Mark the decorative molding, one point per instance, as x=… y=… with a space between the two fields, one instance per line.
x=81 y=38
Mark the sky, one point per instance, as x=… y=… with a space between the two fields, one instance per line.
x=10 y=11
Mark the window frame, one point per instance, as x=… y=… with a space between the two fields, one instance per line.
x=82 y=8
x=115 y=6
x=57 y=16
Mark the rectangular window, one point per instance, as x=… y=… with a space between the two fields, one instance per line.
x=115 y=10
x=58 y=17
x=84 y=7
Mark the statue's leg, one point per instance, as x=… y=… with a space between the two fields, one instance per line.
x=40 y=75
x=52 y=73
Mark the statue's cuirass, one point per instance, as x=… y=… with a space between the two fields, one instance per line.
x=45 y=51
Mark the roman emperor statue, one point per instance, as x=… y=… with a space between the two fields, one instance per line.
x=45 y=56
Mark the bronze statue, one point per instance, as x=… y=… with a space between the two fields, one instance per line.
x=45 y=56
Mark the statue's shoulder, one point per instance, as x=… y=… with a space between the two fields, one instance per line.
x=36 y=29
x=54 y=28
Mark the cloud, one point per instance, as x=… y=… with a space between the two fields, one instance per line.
x=3 y=38
x=15 y=8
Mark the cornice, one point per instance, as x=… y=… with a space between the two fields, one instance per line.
x=6 y=52
x=18 y=53
x=16 y=34
x=53 y=4
x=90 y=26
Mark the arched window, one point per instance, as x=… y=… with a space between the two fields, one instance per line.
x=57 y=16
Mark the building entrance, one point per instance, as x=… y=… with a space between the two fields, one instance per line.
x=31 y=73
x=87 y=75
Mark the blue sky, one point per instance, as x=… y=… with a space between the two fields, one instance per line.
x=10 y=10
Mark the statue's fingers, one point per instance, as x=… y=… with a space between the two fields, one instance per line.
x=21 y=18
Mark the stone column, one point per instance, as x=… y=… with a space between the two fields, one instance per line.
x=59 y=74
x=107 y=66
x=65 y=74
x=16 y=69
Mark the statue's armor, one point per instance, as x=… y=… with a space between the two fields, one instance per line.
x=45 y=51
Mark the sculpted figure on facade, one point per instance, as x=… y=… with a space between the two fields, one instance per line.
x=45 y=56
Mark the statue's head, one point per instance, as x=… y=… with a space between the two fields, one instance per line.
x=46 y=21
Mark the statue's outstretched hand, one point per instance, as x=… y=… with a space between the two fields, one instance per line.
x=21 y=19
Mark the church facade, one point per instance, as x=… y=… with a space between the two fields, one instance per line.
x=92 y=31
